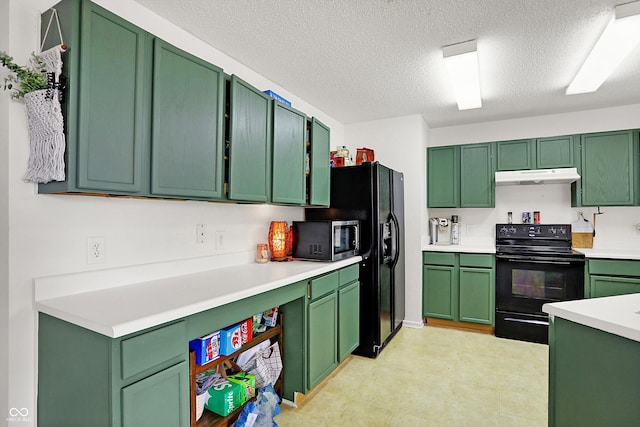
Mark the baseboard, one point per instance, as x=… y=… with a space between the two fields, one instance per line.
x=413 y=324
x=487 y=329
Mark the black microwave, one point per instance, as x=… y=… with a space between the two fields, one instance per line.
x=326 y=240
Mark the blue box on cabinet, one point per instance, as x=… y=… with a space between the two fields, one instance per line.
x=230 y=340
x=277 y=97
x=206 y=348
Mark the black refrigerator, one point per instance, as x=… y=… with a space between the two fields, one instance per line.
x=374 y=195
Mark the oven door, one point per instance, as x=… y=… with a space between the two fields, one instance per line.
x=524 y=283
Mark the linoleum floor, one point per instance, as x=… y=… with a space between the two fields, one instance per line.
x=433 y=377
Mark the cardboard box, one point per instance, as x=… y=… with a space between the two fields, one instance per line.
x=206 y=348
x=224 y=398
x=246 y=331
x=230 y=340
x=247 y=384
x=277 y=97
x=257 y=320
x=271 y=317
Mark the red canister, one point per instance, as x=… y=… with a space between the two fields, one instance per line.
x=536 y=217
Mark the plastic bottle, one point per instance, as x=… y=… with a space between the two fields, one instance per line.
x=455 y=230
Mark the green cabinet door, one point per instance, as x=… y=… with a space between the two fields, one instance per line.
x=515 y=155
x=159 y=400
x=348 y=319
x=555 y=152
x=443 y=177
x=440 y=292
x=477 y=295
x=477 y=175
x=319 y=172
x=289 y=155
x=609 y=169
x=249 y=143
x=604 y=286
x=113 y=75
x=322 y=338
x=187 y=144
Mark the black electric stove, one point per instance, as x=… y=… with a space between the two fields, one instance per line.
x=535 y=264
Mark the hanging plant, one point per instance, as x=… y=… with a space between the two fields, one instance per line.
x=27 y=79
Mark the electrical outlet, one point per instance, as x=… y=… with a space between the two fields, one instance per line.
x=220 y=239
x=95 y=250
x=201 y=233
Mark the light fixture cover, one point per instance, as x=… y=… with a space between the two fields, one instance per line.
x=461 y=60
x=618 y=39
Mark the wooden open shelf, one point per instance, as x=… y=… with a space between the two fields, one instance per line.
x=211 y=419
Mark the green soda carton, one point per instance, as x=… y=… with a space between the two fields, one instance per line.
x=247 y=384
x=224 y=398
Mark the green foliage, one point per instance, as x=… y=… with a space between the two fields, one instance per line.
x=27 y=79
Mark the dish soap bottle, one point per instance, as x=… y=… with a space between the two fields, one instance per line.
x=455 y=230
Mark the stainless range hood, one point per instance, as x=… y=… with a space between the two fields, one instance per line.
x=538 y=176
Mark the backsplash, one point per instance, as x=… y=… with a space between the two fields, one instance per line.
x=615 y=229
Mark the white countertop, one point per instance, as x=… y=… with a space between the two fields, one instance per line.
x=480 y=248
x=619 y=315
x=122 y=310
x=611 y=253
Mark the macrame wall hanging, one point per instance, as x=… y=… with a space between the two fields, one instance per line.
x=44 y=116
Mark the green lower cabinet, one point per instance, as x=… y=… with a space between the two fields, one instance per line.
x=440 y=292
x=462 y=290
x=605 y=286
x=594 y=377
x=348 y=319
x=323 y=331
x=477 y=295
x=608 y=277
x=159 y=400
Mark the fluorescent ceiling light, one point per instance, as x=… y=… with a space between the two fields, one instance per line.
x=462 y=63
x=619 y=38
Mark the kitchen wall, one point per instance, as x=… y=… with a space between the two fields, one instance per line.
x=614 y=229
x=45 y=235
x=400 y=143
x=4 y=218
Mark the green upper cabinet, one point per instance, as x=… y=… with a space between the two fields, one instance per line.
x=515 y=155
x=541 y=153
x=108 y=69
x=187 y=143
x=319 y=173
x=249 y=143
x=477 y=172
x=608 y=169
x=443 y=177
x=289 y=155
x=555 y=152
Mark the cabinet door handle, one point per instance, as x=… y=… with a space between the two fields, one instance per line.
x=309 y=289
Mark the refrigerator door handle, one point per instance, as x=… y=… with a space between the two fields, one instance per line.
x=395 y=239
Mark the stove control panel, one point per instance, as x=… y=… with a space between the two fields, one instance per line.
x=533 y=231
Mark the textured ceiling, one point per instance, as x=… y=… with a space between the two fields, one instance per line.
x=361 y=60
